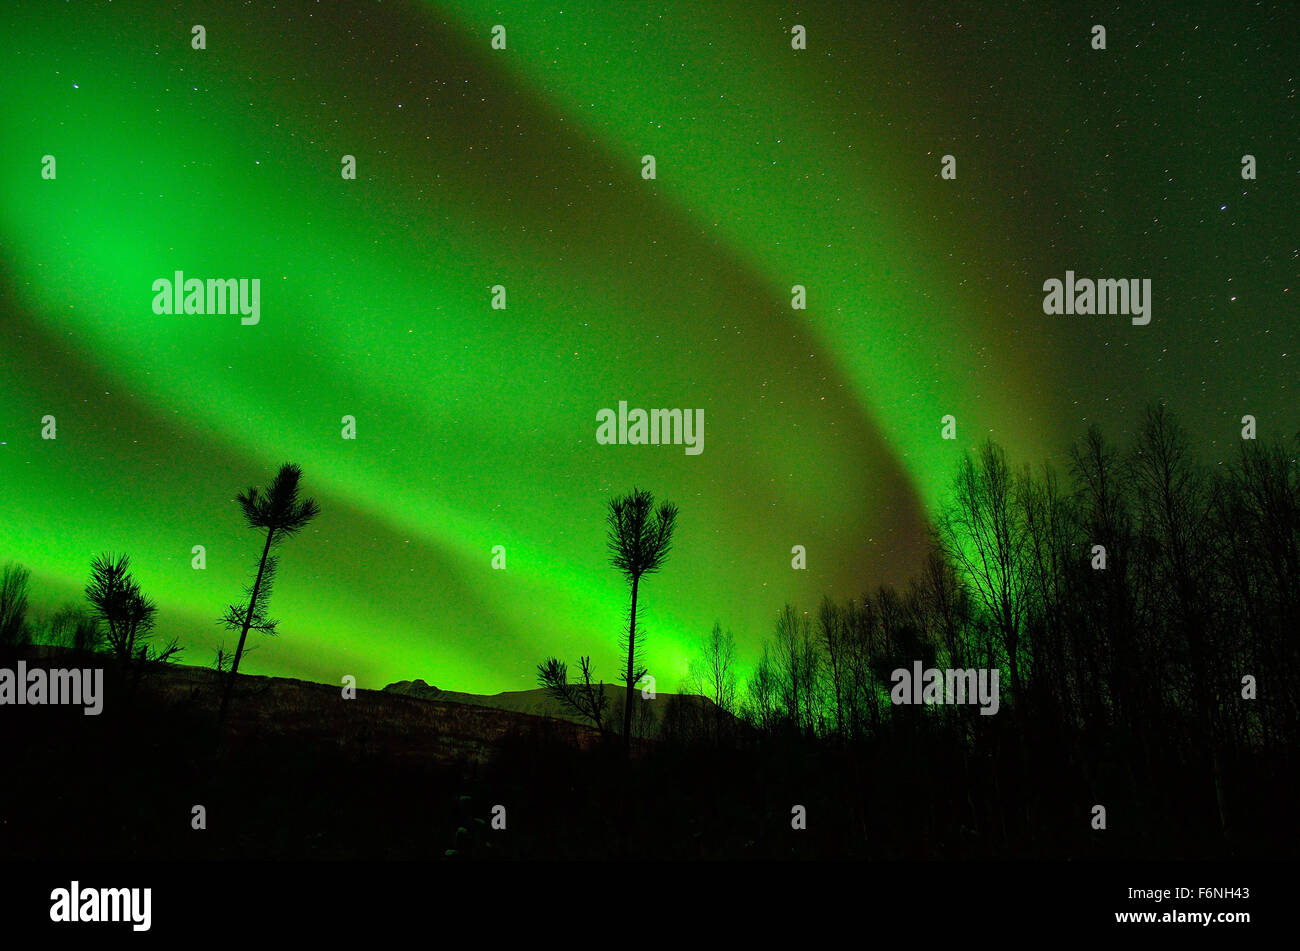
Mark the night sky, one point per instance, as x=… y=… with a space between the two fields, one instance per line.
x=522 y=167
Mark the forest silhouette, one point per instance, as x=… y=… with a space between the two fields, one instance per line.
x=1142 y=606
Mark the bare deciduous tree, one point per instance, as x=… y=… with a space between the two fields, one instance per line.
x=72 y=626
x=982 y=533
x=14 y=579
x=712 y=675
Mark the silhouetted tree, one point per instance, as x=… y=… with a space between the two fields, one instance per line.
x=1107 y=599
x=863 y=687
x=281 y=514
x=1260 y=565
x=586 y=699
x=71 y=626
x=796 y=665
x=982 y=533
x=760 y=707
x=712 y=675
x=1134 y=669
x=1174 y=505
x=14 y=580
x=127 y=614
x=640 y=537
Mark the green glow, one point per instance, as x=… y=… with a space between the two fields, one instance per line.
x=476 y=427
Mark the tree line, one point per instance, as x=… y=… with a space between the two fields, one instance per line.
x=1141 y=607
x=120 y=619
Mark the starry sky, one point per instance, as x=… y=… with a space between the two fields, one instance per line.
x=522 y=167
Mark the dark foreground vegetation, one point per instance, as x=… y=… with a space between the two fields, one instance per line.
x=1142 y=608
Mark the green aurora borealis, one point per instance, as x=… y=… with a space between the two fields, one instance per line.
x=521 y=167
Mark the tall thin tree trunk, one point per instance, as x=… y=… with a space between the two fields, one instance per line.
x=627 y=699
x=243 y=634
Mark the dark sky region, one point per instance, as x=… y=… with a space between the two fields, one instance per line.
x=522 y=167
